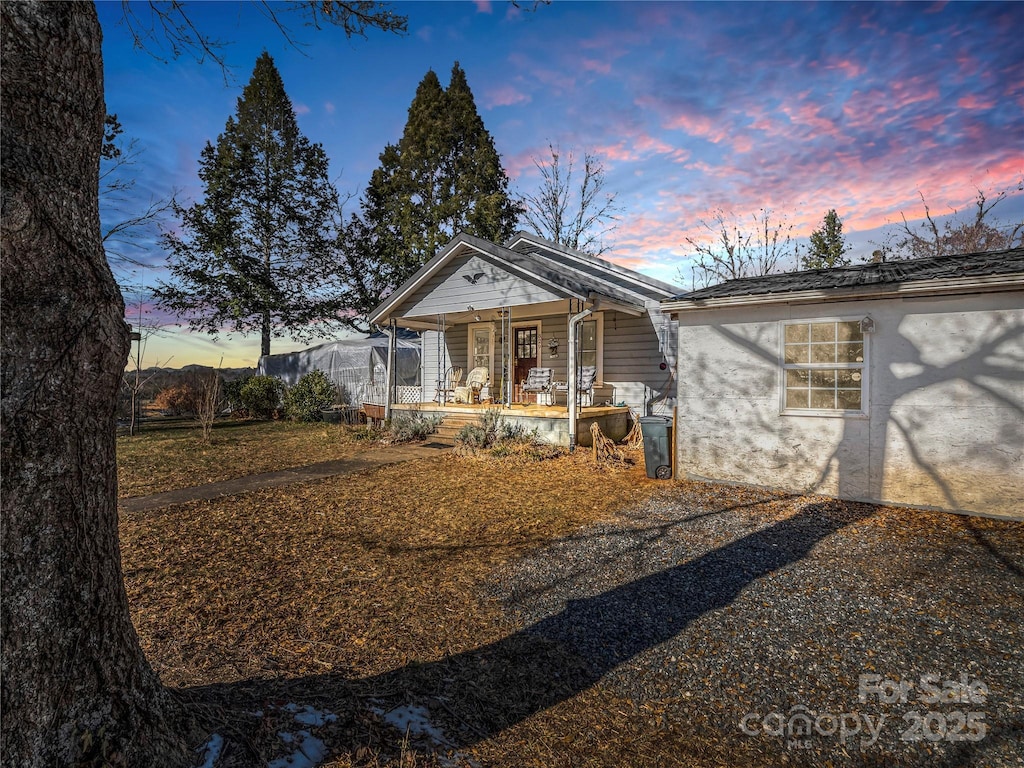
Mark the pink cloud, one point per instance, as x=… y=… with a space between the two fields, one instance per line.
x=699 y=126
x=505 y=96
x=913 y=91
x=972 y=101
x=928 y=123
x=552 y=78
x=329 y=107
x=483 y=6
x=592 y=65
x=849 y=68
x=809 y=115
x=301 y=109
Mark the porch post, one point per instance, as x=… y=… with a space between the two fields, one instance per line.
x=572 y=396
x=392 y=343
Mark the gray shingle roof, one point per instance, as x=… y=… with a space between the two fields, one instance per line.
x=968 y=265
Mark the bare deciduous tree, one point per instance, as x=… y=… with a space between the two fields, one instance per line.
x=207 y=400
x=578 y=216
x=125 y=225
x=145 y=327
x=731 y=249
x=982 y=233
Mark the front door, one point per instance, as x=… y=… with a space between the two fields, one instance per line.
x=526 y=348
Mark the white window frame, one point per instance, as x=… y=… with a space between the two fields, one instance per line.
x=471 y=362
x=597 y=317
x=864 y=366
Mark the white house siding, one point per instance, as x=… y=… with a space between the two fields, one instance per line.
x=452 y=289
x=634 y=348
x=945 y=417
x=452 y=354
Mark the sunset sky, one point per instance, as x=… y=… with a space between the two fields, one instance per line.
x=797 y=107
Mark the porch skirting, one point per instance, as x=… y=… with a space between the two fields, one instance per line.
x=551 y=422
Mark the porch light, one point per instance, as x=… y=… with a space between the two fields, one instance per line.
x=553 y=347
x=867 y=325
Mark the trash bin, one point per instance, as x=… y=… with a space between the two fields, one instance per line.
x=657 y=432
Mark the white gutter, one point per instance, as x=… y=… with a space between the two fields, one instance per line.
x=572 y=396
x=938 y=287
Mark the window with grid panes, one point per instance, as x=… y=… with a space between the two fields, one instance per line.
x=588 y=343
x=823 y=366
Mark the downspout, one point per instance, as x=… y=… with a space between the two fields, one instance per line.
x=390 y=377
x=572 y=396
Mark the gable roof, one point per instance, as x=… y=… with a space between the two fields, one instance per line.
x=607 y=271
x=953 y=273
x=562 y=271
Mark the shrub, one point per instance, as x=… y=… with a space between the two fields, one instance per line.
x=176 y=400
x=233 y=392
x=526 y=448
x=403 y=429
x=472 y=436
x=261 y=396
x=307 y=399
x=503 y=438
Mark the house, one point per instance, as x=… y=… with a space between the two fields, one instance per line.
x=896 y=382
x=532 y=304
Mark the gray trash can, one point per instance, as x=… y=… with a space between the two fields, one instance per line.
x=657 y=432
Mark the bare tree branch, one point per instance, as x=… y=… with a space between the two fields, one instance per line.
x=729 y=251
x=580 y=217
x=982 y=233
x=158 y=26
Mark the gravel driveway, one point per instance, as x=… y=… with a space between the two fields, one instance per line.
x=796 y=630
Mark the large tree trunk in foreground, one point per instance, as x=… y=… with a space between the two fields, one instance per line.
x=76 y=687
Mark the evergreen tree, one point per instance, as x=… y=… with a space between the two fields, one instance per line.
x=442 y=177
x=254 y=255
x=828 y=246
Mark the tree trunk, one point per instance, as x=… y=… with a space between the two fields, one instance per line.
x=76 y=687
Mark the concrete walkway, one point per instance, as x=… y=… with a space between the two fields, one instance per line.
x=372 y=459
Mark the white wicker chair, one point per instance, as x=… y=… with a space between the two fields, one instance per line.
x=474 y=383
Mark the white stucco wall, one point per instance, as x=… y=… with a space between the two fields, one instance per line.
x=945 y=416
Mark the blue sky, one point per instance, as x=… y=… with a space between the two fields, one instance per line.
x=798 y=107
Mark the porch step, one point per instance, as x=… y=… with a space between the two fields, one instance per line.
x=452 y=424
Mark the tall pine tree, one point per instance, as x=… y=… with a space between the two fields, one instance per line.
x=442 y=177
x=828 y=246
x=255 y=255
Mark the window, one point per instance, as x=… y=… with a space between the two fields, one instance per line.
x=588 y=343
x=591 y=344
x=823 y=367
x=481 y=347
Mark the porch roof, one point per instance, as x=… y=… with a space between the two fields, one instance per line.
x=553 y=273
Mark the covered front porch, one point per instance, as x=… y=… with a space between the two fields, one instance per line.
x=550 y=422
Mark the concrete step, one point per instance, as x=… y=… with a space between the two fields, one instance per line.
x=452 y=424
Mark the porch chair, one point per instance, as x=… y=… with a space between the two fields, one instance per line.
x=538 y=382
x=476 y=381
x=585 y=385
x=446 y=387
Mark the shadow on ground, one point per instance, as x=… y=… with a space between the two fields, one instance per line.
x=488 y=689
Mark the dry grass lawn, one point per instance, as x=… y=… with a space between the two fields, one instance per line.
x=169 y=455
x=339 y=591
